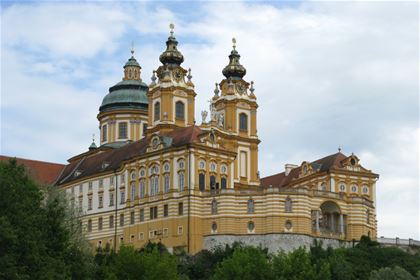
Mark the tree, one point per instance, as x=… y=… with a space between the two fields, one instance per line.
x=36 y=239
x=245 y=263
x=387 y=273
x=297 y=265
x=148 y=264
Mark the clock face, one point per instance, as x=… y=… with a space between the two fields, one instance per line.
x=240 y=88
x=177 y=75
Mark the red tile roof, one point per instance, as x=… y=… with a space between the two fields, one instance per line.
x=323 y=164
x=94 y=163
x=41 y=171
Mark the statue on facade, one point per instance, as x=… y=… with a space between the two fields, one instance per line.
x=204 y=114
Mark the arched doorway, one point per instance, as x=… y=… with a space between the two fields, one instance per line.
x=329 y=220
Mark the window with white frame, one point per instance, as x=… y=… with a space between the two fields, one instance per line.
x=111 y=198
x=122 y=197
x=89 y=203
x=181 y=181
x=166 y=183
x=100 y=201
x=142 y=188
x=288 y=206
x=133 y=191
x=250 y=205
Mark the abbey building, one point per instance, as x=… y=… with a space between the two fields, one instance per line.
x=159 y=176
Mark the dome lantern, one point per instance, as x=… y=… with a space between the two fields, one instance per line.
x=234 y=69
x=171 y=55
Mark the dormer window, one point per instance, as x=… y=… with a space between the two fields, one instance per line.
x=353 y=161
x=77 y=173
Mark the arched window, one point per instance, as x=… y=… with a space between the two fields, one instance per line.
x=250 y=205
x=179 y=110
x=133 y=191
x=243 y=122
x=201 y=181
x=157 y=111
x=212 y=182
x=181 y=181
x=223 y=182
x=166 y=183
x=288 y=207
x=214 y=207
x=142 y=190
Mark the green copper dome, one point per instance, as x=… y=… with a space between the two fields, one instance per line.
x=127 y=94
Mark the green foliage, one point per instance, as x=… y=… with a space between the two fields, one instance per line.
x=387 y=273
x=297 y=265
x=148 y=264
x=246 y=263
x=36 y=241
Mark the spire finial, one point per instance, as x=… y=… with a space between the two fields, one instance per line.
x=339 y=149
x=93 y=137
x=216 y=90
x=252 y=89
x=172 y=27
x=234 y=43
x=132 y=48
x=189 y=75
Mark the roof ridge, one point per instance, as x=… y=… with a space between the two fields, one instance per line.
x=49 y=162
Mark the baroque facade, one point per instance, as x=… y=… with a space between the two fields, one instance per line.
x=157 y=176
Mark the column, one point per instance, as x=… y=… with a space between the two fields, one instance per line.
x=332 y=222
x=341 y=224
x=317 y=221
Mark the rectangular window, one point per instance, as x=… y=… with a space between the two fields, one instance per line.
x=111 y=180
x=122 y=197
x=122 y=178
x=180 y=230
x=142 y=188
x=100 y=222
x=104 y=133
x=122 y=130
x=166 y=183
x=141 y=235
x=90 y=186
x=101 y=183
x=80 y=188
x=153 y=213
x=90 y=203
x=180 y=208
x=100 y=201
x=243 y=122
x=121 y=220
x=132 y=217
x=111 y=199
x=201 y=181
x=141 y=215
x=181 y=181
x=80 y=202
x=89 y=227
x=111 y=221
x=165 y=210
x=157 y=111
x=133 y=191
x=179 y=110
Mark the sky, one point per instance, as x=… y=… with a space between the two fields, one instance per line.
x=326 y=74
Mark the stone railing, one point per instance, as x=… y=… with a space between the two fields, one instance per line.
x=398 y=241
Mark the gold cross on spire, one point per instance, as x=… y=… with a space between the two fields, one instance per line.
x=132 y=48
x=172 y=27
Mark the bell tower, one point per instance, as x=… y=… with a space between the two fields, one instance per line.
x=171 y=94
x=234 y=113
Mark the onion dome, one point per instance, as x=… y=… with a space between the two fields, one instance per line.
x=171 y=55
x=234 y=69
x=130 y=93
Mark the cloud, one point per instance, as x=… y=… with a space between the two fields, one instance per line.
x=330 y=74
